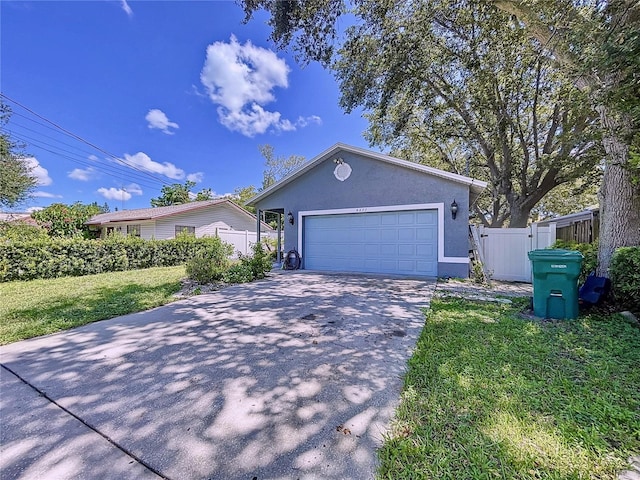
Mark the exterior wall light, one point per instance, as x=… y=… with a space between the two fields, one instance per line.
x=290 y=217
x=454 y=209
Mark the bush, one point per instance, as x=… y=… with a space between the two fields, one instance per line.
x=50 y=258
x=209 y=264
x=260 y=262
x=625 y=278
x=588 y=250
x=250 y=267
x=238 y=273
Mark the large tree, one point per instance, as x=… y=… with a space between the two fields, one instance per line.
x=277 y=167
x=16 y=179
x=593 y=42
x=467 y=85
x=597 y=44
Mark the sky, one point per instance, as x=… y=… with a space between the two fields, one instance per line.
x=116 y=98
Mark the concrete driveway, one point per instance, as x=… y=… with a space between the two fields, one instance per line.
x=294 y=376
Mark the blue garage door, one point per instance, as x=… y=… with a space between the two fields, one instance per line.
x=384 y=242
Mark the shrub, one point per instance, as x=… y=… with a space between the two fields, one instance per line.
x=238 y=273
x=209 y=263
x=260 y=262
x=588 y=250
x=625 y=277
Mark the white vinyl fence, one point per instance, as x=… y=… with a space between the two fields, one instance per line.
x=242 y=241
x=504 y=250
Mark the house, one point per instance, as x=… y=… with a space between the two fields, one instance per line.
x=354 y=210
x=198 y=218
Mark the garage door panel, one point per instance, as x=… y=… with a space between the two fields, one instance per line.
x=425 y=234
x=407 y=250
x=406 y=234
x=402 y=242
x=388 y=219
x=408 y=218
x=427 y=218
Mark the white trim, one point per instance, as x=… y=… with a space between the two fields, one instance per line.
x=387 y=208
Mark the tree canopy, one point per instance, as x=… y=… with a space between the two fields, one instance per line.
x=178 y=193
x=61 y=220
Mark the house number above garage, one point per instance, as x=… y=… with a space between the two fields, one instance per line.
x=342 y=171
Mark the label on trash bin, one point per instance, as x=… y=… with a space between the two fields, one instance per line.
x=558 y=266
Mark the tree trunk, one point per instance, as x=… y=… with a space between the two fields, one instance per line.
x=619 y=197
x=519 y=217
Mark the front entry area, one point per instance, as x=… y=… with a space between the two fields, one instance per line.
x=392 y=242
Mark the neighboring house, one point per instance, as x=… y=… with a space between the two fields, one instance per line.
x=354 y=210
x=581 y=227
x=198 y=218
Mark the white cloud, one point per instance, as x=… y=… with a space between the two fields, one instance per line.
x=304 y=121
x=158 y=119
x=84 y=175
x=143 y=162
x=93 y=158
x=41 y=194
x=114 y=194
x=125 y=6
x=34 y=209
x=38 y=171
x=134 y=189
x=196 y=177
x=240 y=79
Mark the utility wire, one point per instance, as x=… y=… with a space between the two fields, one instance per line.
x=79 y=138
x=72 y=156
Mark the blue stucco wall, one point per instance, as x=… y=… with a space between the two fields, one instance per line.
x=375 y=183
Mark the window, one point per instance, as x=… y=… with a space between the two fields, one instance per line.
x=183 y=229
x=133 y=230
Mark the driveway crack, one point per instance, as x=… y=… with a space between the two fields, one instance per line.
x=130 y=454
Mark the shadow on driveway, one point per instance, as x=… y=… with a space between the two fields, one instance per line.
x=295 y=376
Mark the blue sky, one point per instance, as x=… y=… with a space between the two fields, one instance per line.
x=169 y=90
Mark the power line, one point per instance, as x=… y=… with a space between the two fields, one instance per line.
x=73 y=157
x=79 y=138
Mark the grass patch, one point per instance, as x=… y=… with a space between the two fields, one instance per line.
x=38 y=307
x=491 y=395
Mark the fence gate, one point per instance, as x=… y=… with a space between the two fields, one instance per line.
x=505 y=250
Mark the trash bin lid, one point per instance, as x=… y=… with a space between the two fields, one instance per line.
x=555 y=254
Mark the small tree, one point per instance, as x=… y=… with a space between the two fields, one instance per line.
x=16 y=179
x=62 y=220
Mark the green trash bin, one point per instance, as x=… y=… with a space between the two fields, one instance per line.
x=555 y=282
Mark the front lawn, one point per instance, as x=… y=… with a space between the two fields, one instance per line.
x=38 y=307
x=489 y=394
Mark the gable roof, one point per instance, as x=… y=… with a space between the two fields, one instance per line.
x=476 y=186
x=154 y=213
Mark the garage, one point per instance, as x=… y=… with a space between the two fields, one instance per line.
x=395 y=242
x=353 y=210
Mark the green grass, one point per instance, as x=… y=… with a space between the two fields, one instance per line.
x=489 y=394
x=38 y=307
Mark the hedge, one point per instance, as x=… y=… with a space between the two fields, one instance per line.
x=74 y=257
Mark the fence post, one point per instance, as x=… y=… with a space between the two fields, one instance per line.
x=246 y=241
x=552 y=233
x=534 y=236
